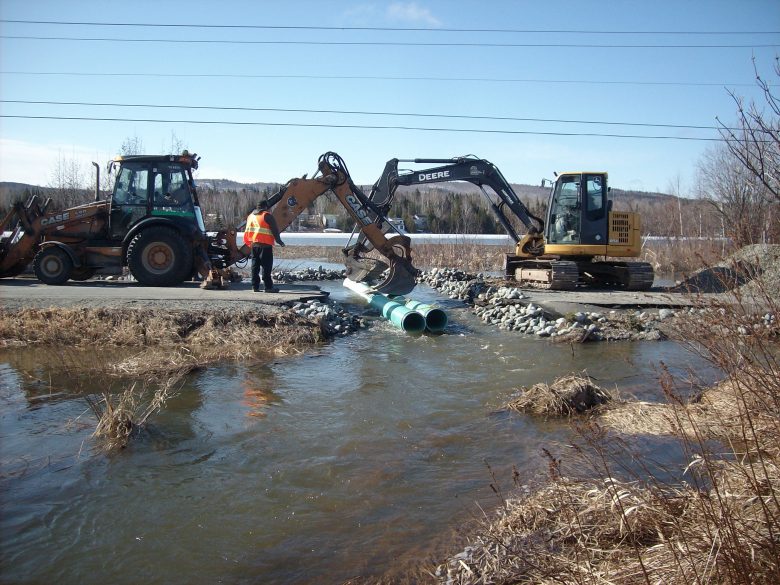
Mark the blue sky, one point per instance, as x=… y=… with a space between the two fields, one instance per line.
x=467 y=74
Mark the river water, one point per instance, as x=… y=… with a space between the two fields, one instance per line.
x=357 y=458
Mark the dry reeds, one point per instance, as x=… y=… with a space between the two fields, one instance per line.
x=121 y=417
x=715 y=519
x=566 y=396
x=169 y=341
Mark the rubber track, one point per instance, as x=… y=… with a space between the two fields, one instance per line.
x=563 y=275
x=640 y=276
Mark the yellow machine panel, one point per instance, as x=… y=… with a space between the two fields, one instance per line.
x=625 y=239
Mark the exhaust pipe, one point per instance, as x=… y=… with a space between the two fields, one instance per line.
x=397 y=313
x=97 y=180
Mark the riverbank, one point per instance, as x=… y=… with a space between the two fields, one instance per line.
x=438 y=441
x=608 y=513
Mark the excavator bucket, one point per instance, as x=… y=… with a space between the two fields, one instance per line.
x=400 y=279
x=396 y=279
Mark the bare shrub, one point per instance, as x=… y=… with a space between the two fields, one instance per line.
x=605 y=515
x=120 y=417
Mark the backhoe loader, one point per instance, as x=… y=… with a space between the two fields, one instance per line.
x=152 y=224
x=560 y=253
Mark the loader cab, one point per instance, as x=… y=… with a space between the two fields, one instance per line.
x=577 y=213
x=153 y=186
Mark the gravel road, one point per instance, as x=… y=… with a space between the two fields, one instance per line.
x=25 y=292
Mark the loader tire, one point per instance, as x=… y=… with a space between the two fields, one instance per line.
x=52 y=265
x=159 y=256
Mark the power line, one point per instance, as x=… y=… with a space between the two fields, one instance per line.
x=362 y=113
x=381 y=43
x=382 y=28
x=382 y=78
x=359 y=127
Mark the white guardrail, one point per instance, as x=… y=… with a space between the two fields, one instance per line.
x=342 y=239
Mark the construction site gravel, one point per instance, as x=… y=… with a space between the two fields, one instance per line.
x=751 y=274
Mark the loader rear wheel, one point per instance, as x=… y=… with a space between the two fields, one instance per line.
x=159 y=256
x=52 y=265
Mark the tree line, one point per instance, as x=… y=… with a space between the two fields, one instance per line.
x=736 y=194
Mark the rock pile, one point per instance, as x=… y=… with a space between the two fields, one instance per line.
x=334 y=320
x=456 y=284
x=754 y=269
x=504 y=307
x=319 y=273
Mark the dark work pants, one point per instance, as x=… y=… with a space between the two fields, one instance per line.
x=262 y=256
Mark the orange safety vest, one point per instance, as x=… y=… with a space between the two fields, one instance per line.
x=257 y=230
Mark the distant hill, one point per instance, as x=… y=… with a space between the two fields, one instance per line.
x=531 y=195
x=229 y=185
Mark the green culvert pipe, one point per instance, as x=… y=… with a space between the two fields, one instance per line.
x=397 y=313
x=435 y=318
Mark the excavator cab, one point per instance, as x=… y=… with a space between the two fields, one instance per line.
x=578 y=210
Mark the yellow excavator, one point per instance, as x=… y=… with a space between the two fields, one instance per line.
x=575 y=246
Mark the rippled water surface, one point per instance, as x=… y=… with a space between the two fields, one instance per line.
x=354 y=459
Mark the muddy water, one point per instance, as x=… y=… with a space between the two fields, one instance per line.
x=355 y=459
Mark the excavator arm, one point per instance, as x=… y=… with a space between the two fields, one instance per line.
x=395 y=275
x=504 y=202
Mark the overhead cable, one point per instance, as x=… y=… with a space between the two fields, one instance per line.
x=384 y=43
x=360 y=113
x=385 y=28
x=378 y=78
x=359 y=127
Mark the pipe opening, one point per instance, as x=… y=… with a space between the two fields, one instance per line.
x=435 y=320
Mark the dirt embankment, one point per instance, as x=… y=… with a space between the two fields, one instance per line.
x=163 y=340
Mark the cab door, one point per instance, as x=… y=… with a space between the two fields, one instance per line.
x=130 y=200
x=594 y=209
x=563 y=218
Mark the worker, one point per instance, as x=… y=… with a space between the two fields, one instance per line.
x=260 y=234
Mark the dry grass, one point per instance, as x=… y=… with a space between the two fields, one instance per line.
x=680 y=257
x=121 y=417
x=566 y=396
x=472 y=257
x=168 y=341
x=647 y=418
x=677 y=257
x=713 y=520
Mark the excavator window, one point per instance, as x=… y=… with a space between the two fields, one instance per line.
x=565 y=211
x=596 y=196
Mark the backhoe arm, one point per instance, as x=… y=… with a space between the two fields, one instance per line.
x=397 y=274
